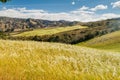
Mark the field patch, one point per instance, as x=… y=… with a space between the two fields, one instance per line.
x=29 y=60
x=109 y=41
x=48 y=31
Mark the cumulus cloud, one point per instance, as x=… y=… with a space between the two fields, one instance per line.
x=116 y=4
x=83 y=14
x=84 y=8
x=99 y=7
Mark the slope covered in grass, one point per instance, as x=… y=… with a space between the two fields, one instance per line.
x=109 y=41
x=25 y=60
x=70 y=36
x=49 y=31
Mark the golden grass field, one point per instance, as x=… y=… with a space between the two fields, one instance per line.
x=109 y=41
x=48 y=31
x=29 y=60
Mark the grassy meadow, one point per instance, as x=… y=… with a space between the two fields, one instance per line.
x=29 y=60
x=48 y=31
x=109 y=41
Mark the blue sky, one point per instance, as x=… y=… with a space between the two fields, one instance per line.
x=54 y=8
x=58 y=5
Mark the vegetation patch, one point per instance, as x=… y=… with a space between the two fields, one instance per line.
x=69 y=36
x=109 y=41
x=29 y=60
x=48 y=31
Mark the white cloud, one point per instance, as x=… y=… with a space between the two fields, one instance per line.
x=116 y=4
x=24 y=10
x=83 y=14
x=107 y=16
x=99 y=7
x=84 y=8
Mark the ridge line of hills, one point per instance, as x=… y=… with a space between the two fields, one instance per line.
x=20 y=24
x=94 y=29
x=8 y=24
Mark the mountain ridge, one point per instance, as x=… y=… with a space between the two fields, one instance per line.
x=8 y=24
x=75 y=36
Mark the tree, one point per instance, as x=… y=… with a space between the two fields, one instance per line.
x=4 y=1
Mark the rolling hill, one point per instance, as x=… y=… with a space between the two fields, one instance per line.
x=109 y=41
x=8 y=24
x=110 y=23
x=47 y=31
x=55 y=31
x=70 y=35
x=29 y=60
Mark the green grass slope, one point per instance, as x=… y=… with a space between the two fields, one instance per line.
x=25 y=60
x=48 y=31
x=109 y=41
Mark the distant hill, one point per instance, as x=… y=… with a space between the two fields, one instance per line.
x=72 y=36
x=47 y=31
x=69 y=36
x=16 y=24
x=110 y=23
x=109 y=41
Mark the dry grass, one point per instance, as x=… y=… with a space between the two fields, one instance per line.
x=48 y=31
x=25 y=60
x=109 y=41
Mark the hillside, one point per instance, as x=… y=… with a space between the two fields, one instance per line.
x=26 y=60
x=64 y=35
x=110 y=23
x=109 y=41
x=47 y=31
x=51 y=31
x=18 y=24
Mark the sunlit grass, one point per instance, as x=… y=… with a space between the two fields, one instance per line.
x=25 y=60
x=110 y=41
x=49 y=31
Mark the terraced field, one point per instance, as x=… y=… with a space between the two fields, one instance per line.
x=29 y=60
x=48 y=31
x=110 y=42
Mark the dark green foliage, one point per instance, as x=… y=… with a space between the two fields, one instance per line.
x=4 y=1
x=3 y=35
